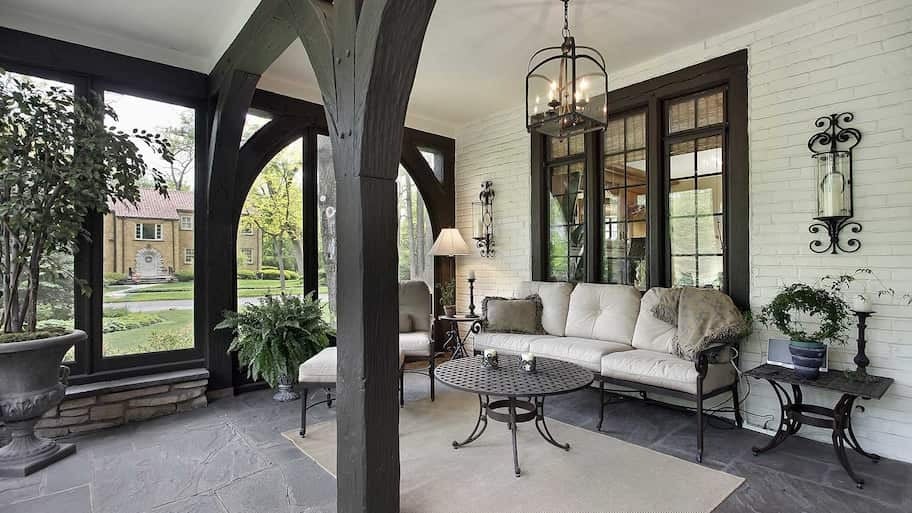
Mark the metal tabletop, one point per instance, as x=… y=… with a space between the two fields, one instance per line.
x=551 y=377
x=875 y=387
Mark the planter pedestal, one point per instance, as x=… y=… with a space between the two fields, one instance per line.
x=27 y=453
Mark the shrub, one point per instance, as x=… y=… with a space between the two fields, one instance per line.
x=273 y=274
x=159 y=341
x=246 y=274
x=112 y=278
x=116 y=312
x=129 y=321
x=184 y=276
x=48 y=311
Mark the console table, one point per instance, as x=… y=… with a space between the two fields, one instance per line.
x=794 y=413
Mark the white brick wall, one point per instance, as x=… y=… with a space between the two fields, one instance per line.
x=827 y=56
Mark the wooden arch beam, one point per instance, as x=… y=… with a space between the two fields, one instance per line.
x=365 y=55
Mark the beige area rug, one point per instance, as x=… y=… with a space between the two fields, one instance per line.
x=598 y=474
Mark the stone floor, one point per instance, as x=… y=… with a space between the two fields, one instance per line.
x=230 y=458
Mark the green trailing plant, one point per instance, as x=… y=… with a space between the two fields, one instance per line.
x=447 y=293
x=58 y=163
x=839 y=283
x=826 y=304
x=274 y=336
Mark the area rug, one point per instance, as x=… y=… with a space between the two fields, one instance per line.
x=598 y=474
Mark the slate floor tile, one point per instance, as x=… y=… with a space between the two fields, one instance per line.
x=74 y=500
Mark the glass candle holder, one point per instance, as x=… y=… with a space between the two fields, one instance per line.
x=489 y=359
x=528 y=362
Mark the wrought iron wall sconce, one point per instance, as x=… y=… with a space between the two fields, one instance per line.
x=483 y=220
x=832 y=152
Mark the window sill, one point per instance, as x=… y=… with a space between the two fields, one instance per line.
x=135 y=383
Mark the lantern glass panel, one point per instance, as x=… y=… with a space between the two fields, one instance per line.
x=580 y=101
x=834 y=188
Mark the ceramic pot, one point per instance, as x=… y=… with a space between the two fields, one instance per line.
x=33 y=383
x=450 y=310
x=808 y=358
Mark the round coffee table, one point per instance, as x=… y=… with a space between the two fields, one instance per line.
x=510 y=382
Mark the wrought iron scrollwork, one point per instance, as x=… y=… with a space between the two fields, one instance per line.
x=833 y=133
x=485 y=241
x=833 y=226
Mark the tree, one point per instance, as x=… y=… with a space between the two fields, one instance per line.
x=326 y=183
x=275 y=206
x=58 y=163
x=181 y=141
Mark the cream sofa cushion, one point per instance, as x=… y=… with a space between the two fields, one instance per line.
x=603 y=312
x=507 y=343
x=415 y=343
x=584 y=352
x=415 y=300
x=555 y=298
x=665 y=370
x=320 y=368
x=651 y=333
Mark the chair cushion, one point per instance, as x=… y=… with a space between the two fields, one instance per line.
x=415 y=343
x=555 y=298
x=320 y=368
x=650 y=332
x=405 y=322
x=585 y=352
x=603 y=312
x=665 y=370
x=505 y=315
x=415 y=300
x=506 y=343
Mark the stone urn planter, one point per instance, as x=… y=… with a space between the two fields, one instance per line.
x=33 y=383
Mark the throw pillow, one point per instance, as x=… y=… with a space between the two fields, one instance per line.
x=405 y=323
x=506 y=315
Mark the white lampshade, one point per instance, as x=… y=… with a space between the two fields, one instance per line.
x=449 y=243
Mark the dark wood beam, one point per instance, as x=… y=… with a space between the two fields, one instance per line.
x=365 y=55
x=267 y=33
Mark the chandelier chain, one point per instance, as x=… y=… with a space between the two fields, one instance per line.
x=566 y=31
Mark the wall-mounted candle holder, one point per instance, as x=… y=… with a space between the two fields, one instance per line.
x=832 y=152
x=483 y=220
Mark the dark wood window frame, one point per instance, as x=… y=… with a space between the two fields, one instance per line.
x=729 y=72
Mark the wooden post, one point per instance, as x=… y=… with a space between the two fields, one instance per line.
x=365 y=55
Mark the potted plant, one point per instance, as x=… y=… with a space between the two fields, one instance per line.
x=864 y=301
x=808 y=349
x=448 y=297
x=58 y=164
x=272 y=338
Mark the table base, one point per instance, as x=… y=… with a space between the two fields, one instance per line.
x=518 y=411
x=794 y=414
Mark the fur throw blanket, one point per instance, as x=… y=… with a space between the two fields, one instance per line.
x=703 y=317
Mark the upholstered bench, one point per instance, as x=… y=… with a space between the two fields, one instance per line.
x=319 y=372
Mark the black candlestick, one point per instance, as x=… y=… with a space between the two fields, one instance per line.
x=861 y=359
x=472 y=298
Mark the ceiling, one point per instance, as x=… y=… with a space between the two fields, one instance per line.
x=474 y=57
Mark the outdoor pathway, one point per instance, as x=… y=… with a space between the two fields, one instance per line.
x=230 y=458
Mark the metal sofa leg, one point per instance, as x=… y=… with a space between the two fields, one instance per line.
x=402 y=386
x=699 y=421
x=601 y=405
x=736 y=402
x=304 y=395
x=432 y=364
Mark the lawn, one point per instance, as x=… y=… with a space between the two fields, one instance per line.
x=131 y=341
x=184 y=290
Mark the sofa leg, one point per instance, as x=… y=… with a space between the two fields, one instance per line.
x=304 y=395
x=699 y=421
x=401 y=386
x=736 y=402
x=329 y=399
x=432 y=364
x=601 y=405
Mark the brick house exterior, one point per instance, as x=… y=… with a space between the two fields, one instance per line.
x=154 y=238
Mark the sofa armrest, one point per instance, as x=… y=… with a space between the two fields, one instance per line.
x=477 y=326
x=716 y=353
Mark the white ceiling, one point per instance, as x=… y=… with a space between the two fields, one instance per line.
x=474 y=57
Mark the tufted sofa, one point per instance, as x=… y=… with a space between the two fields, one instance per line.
x=610 y=330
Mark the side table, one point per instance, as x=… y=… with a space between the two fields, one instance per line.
x=454 y=340
x=794 y=413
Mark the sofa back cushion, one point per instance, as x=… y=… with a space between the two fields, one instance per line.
x=415 y=301
x=603 y=312
x=555 y=298
x=651 y=333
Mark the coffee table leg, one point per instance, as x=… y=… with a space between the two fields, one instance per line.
x=513 y=433
x=482 y=421
x=542 y=426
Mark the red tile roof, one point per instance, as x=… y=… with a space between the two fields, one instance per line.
x=152 y=205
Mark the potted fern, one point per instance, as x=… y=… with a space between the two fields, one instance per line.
x=58 y=164
x=448 y=297
x=274 y=336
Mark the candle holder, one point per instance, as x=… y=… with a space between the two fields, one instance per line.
x=528 y=362
x=489 y=359
x=861 y=359
x=483 y=220
x=832 y=152
x=471 y=281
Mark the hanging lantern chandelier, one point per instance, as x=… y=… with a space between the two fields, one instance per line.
x=565 y=88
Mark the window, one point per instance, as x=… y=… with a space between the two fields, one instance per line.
x=148 y=231
x=625 y=206
x=248 y=255
x=672 y=164
x=415 y=234
x=326 y=225
x=157 y=317
x=566 y=171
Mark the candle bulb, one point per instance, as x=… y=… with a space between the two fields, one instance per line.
x=528 y=362
x=471 y=275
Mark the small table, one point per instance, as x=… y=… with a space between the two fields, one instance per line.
x=509 y=381
x=794 y=413
x=454 y=339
